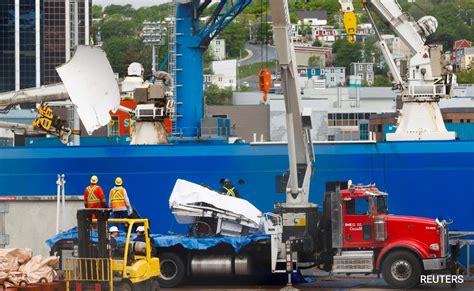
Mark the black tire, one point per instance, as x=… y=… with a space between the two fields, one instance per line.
x=401 y=269
x=154 y=285
x=172 y=270
x=124 y=286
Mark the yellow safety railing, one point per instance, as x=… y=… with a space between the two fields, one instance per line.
x=89 y=269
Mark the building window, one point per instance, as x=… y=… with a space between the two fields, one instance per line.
x=342 y=71
x=113 y=128
x=220 y=79
x=332 y=79
x=331 y=138
x=369 y=67
x=360 y=67
x=379 y=128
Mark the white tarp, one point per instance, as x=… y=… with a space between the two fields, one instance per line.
x=185 y=192
x=91 y=85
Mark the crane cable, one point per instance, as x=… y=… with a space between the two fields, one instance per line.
x=264 y=75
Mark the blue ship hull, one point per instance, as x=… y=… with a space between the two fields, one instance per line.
x=428 y=179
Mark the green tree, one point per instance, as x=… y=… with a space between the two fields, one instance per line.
x=317 y=43
x=217 y=96
x=314 y=61
x=466 y=76
x=97 y=11
x=346 y=53
x=117 y=25
x=121 y=51
x=381 y=81
x=234 y=35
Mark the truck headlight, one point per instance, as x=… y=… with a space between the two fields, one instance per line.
x=434 y=247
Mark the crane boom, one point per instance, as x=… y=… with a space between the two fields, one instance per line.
x=298 y=122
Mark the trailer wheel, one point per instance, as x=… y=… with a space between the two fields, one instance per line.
x=172 y=270
x=401 y=269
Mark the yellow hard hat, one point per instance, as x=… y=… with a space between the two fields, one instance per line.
x=94 y=179
x=118 y=181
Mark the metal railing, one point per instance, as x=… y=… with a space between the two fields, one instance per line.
x=89 y=270
x=465 y=239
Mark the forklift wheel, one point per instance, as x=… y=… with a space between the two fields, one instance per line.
x=124 y=286
x=155 y=285
x=172 y=270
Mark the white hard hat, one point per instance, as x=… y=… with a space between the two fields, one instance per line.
x=141 y=228
x=113 y=229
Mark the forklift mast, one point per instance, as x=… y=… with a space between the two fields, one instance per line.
x=85 y=225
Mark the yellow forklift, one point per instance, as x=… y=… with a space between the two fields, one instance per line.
x=106 y=263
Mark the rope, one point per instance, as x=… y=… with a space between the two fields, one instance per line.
x=261 y=31
x=266 y=36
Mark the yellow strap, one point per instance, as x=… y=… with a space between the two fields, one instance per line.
x=92 y=198
x=120 y=195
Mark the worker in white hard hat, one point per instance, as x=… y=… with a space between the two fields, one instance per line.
x=118 y=200
x=94 y=195
x=140 y=234
x=141 y=237
x=114 y=233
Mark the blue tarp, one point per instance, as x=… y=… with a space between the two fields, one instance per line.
x=191 y=243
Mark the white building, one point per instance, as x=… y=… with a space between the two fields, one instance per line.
x=338 y=112
x=466 y=57
x=217 y=48
x=225 y=74
x=312 y=18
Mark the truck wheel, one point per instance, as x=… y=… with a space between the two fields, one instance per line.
x=172 y=270
x=401 y=269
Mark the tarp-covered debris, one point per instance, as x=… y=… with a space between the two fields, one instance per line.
x=18 y=266
x=191 y=243
x=188 y=193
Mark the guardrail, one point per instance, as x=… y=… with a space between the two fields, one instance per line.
x=465 y=239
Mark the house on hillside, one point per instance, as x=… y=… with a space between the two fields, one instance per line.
x=458 y=51
x=312 y=18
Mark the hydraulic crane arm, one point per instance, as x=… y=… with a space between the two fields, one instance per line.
x=425 y=83
x=298 y=122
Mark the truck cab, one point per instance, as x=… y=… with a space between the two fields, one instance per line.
x=365 y=238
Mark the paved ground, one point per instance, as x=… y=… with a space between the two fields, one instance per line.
x=320 y=283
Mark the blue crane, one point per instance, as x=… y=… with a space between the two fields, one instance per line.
x=192 y=39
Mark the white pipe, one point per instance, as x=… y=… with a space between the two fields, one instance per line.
x=58 y=198
x=37 y=43
x=67 y=20
x=17 y=45
x=63 y=207
x=77 y=126
x=86 y=23
x=76 y=24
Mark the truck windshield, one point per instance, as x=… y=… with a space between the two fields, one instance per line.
x=381 y=205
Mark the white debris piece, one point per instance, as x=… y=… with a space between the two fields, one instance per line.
x=188 y=193
x=91 y=85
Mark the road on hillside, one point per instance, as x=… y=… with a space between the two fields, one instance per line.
x=257 y=54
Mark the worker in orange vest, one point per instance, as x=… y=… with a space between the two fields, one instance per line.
x=94 y=195
x=118 y=200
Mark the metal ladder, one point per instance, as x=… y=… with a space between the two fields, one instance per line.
x=172 y=62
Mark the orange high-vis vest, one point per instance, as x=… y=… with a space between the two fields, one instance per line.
x=117 y=198
x=93 y=199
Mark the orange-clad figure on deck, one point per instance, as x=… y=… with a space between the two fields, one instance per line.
x=94 y=195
